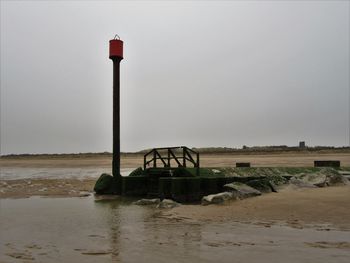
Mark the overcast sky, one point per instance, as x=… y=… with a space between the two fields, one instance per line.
x=200 y=74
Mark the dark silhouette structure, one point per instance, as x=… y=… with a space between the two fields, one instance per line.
x=180 y=155
x=116 y=55
x=302 y=144
x=327 y=163
x=242 y=164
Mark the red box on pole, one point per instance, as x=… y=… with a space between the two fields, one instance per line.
x=115 y=48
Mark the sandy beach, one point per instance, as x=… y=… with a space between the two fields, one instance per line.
x=296 y=208
x=282 y=159
x=50 y=214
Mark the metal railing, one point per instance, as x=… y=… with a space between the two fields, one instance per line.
x=181 y=155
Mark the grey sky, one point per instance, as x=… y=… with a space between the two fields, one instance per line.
x=197 y=74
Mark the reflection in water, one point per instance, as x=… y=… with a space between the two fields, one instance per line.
x=85 y=230
x=113 y=221
x=138 y=230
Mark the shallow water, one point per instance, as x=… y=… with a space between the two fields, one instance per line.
x=87 y=230
x=14 y=173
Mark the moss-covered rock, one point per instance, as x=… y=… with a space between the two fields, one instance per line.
x=297 y=183
x=240 y=190
x=337 y=179
x=263 y=185
x=137 y=172
x=334 y=177
x=317 y=179
x=104 y=184
x=277 y=179
x=321 y=178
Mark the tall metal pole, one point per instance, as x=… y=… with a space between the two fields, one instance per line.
x=116 y=117
x=116 y=55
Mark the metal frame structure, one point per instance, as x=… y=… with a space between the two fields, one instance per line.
x=182 y=155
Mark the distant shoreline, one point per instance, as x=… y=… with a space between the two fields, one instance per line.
x=208 y=151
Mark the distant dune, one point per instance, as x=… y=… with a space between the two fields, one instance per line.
x=204 y=150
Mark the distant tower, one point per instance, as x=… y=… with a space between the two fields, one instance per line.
x=302 y=144
x=116 y=55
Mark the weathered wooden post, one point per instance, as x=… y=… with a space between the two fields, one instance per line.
x=116 y=55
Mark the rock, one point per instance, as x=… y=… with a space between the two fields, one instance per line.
x=104 y=184
x=241 y=191
x=274 y=187
x=336 y=179
x=263 y=185
x=344 y=172
x=326 y=177
x=316 y=179
x=167 y=203
x=147 y=202
x=300 y=183
x=215 y=171
x=217 y=198
x=277 y=180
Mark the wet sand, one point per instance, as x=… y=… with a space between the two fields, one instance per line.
x=23 y=182
x=296 y=208
x=24 y=188
x=88 y=230
x=284 y=159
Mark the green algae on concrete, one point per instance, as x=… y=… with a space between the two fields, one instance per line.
x=209 y=185
x=180 y=188
x=165 y=187
x=134 y=185
x=185 y=189
x=182 y=172
x=183 y=185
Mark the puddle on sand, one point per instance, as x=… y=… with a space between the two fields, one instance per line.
x=82 y=229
